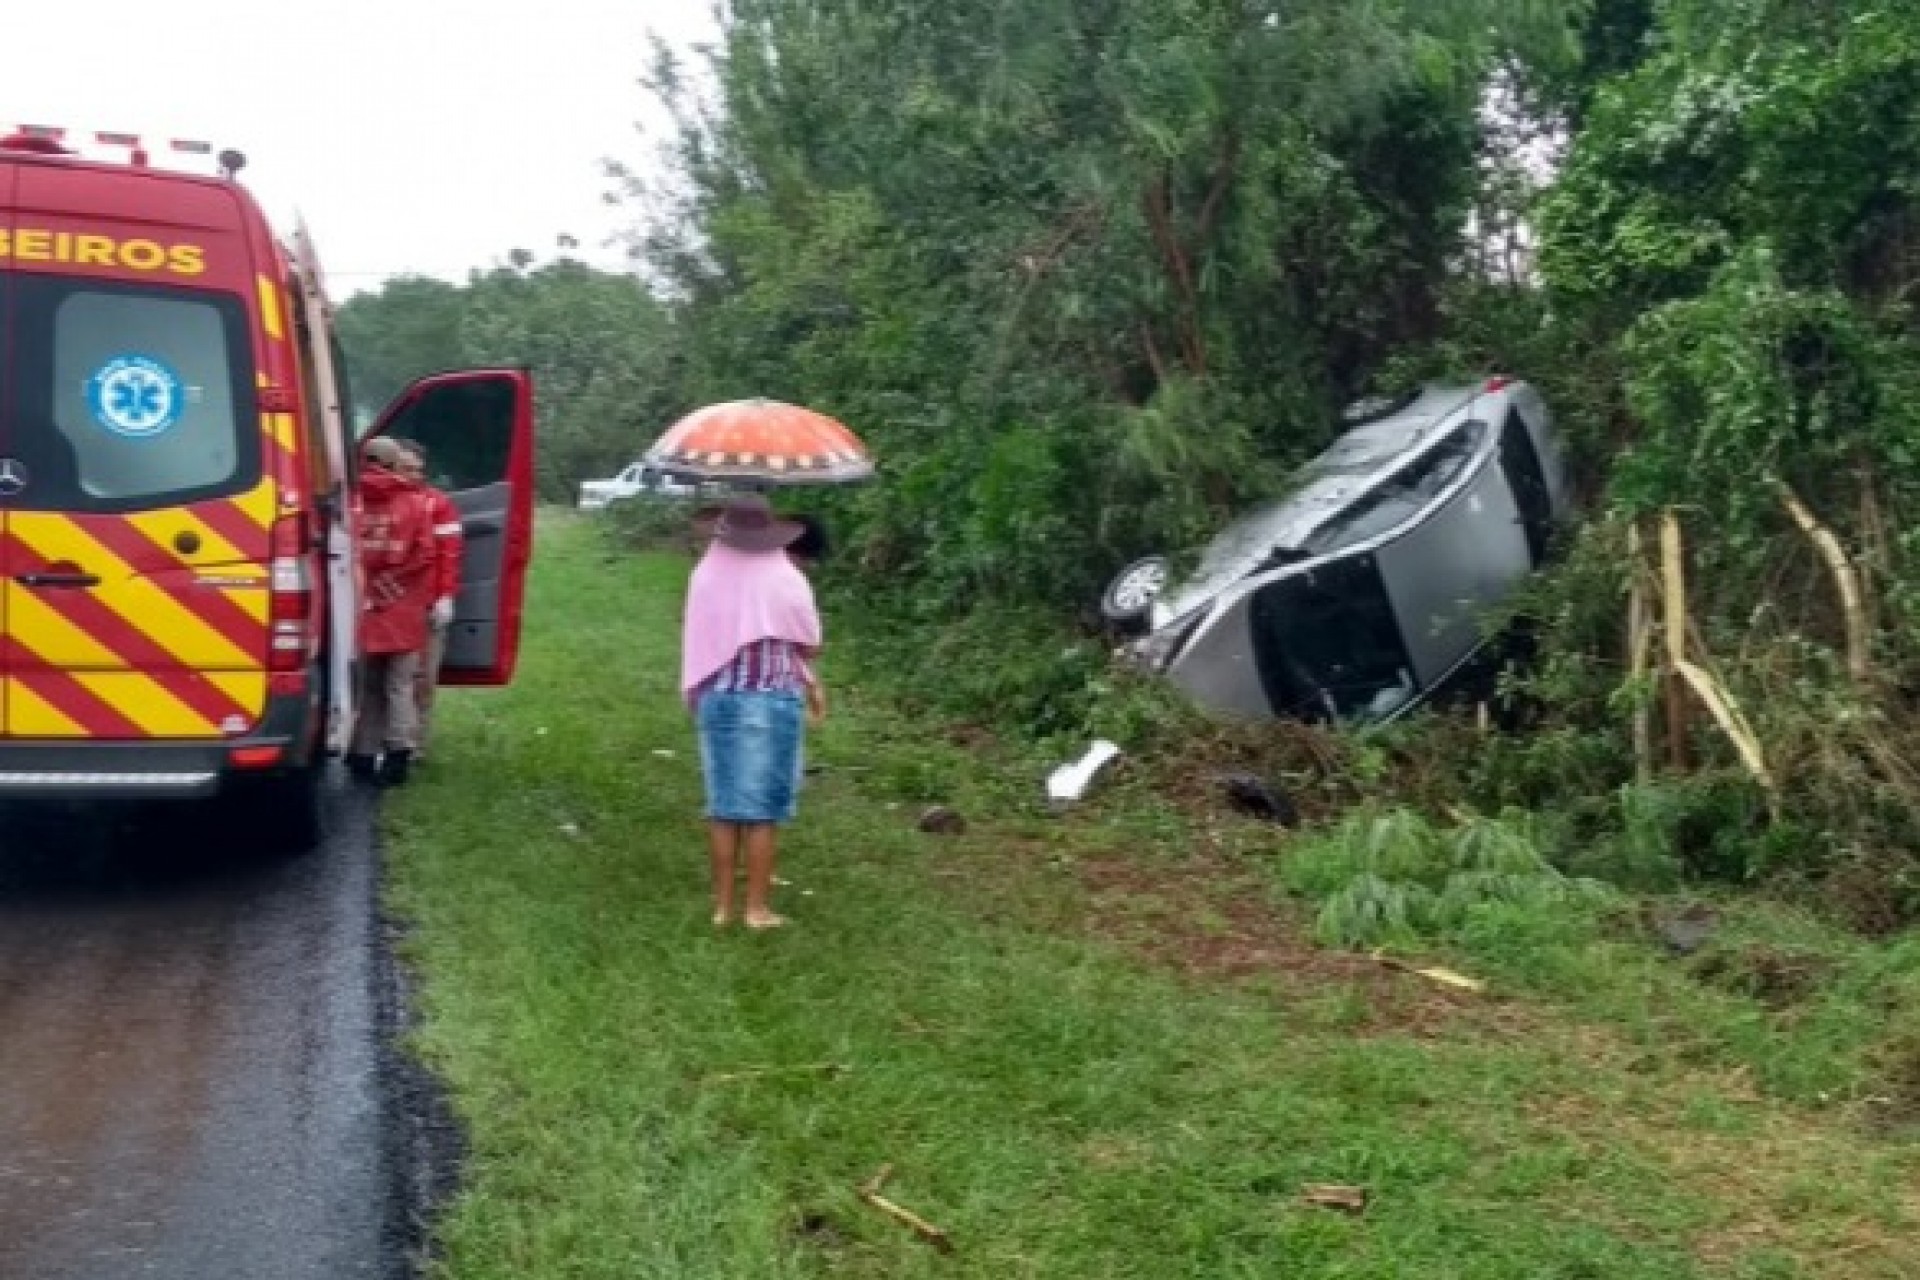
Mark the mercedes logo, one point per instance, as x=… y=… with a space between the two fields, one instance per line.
x=13 y=477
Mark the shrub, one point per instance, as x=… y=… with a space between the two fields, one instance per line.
x=1395 y=876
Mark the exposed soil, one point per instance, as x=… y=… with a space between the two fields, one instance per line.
x=1208 y=920
x=1897 y=1107
x=1775 y=976
x=1760 y=1176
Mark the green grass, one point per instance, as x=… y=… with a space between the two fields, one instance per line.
x=642 y=1095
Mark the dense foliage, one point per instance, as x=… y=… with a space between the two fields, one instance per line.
x=1090 y=274
x=1087 y=274
x=1735 y=234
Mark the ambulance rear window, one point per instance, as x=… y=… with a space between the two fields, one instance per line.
x=125 y=398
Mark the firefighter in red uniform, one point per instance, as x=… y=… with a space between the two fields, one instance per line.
x=449 y=544
x=396 y=555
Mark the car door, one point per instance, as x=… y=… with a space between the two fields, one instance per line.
x=477 y=429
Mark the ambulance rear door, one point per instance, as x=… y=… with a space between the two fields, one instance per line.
x=135 y=589
x=134 y=585
x=477 y=429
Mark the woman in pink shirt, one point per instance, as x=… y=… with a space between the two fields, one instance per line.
x=751 y=633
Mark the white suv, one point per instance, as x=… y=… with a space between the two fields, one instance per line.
x=635 y=481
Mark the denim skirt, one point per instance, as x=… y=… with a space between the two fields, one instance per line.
x=750 y=753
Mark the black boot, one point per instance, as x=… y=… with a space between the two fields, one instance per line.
x=394 y=767
x=365 y=768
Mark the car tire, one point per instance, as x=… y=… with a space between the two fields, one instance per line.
x=1129 y=598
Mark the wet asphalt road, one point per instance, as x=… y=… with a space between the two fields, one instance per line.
x=196 y=1074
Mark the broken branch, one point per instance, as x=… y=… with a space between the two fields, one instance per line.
x=1327 y=1195
x=1846 y=579
x=1445 y=977
x=869 y=1191
x=1726 y=713
x=1639 y=657
x=1673 y=579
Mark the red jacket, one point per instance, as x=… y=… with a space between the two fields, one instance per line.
x=396 y=553
x=449 y=544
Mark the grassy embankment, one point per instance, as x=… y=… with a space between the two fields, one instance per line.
x=1092 y=1046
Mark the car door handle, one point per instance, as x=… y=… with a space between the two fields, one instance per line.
x=58 y=579
x=481 y=525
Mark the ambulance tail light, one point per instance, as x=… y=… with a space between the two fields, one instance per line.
x=290 y=639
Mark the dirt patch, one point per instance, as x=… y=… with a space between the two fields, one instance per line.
x=818 y=1229
x=1305 y=762
x=1775 y=976
x=1876 y=897
x=1782 y=1185
x=1897 y=1102
x=1210 y=921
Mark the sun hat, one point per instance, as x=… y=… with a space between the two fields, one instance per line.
x=747 y=523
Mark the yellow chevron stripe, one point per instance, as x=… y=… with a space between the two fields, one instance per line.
x=248 y=688
x=161 y=527
x=140 y=603
x=31 y=716
x=147 y=703
x=259 y=502
x=270 y=309
x=39 y=627
x=280 y=427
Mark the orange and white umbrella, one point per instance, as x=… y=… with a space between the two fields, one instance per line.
x=761 y=442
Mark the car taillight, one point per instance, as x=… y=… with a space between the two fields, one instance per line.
x=290 y=597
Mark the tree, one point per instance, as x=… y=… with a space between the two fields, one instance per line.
x=1130 y=252
x=409 y=327
x=603 y=357
x=601 y=348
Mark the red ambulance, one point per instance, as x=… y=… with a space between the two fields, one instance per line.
x=178 y=592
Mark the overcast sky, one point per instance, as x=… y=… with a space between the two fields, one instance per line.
x=424 y=136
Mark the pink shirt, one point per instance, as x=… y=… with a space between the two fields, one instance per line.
x=737 y=598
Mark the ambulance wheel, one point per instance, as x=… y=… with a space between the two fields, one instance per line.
x=285 y=808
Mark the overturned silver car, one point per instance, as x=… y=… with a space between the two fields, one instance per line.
x=1362 y=591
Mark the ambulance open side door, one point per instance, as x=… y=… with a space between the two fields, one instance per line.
x=476 y=426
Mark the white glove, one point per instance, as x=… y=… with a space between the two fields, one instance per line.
x=442 y=615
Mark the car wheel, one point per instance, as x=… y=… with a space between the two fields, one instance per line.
x=1129 y=597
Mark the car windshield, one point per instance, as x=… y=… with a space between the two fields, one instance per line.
x=122 y=398
x=1403 y=495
